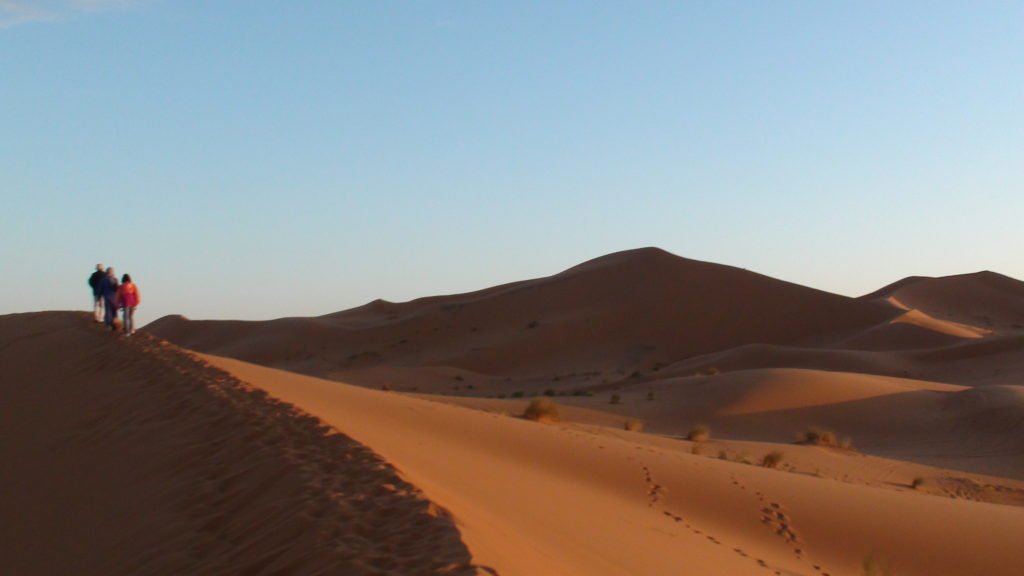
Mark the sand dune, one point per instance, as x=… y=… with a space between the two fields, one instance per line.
x=133 y=457
x=978 y=430
x=985 y=300
x=634 y=313
x=620 y=313
x=568 y=499
x=971 y=362
x=390 y=444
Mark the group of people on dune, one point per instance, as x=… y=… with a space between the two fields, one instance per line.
x=109 y=295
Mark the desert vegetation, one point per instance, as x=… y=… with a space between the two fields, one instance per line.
x=699 y=433
x=819 y=437
x=634 y=425
x=772 y=459
x=542 y=410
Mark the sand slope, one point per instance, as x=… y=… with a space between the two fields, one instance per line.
x=133 y=457
x=985 y=300
x=568 y=499
x=639 y=313
x=619 y=313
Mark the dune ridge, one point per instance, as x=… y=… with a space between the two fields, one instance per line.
x=135 y=457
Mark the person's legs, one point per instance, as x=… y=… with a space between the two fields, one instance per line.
x=109 y=312
x=129 y=320
x=97 y=308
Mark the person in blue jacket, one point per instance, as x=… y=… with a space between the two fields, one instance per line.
x=108 y=288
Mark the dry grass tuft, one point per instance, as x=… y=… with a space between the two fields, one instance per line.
x=772 y=459
x=634 y=425
x=542 y=410
x=699 y=433
x=872 y=566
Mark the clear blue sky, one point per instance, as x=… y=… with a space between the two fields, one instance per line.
x=254 y=159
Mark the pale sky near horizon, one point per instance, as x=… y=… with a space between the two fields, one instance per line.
x=262 y=159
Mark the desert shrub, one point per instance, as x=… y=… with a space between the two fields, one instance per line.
x=723 y=455
x=772 y=459
x=501 y=395
x=872 y=566
x=549 y=392
x=615 y=399
x=699 y=433
x=917 y=482
x=820 y=437
x=579 y=392
x=697 y=450
x=634 y=425
x=542 y=410
x=517 y=394
x=385 y=387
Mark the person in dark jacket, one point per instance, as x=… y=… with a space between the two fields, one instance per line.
x=108 y=289
x=97 y=296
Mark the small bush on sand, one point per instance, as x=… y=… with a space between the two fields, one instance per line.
x=549 y=392
x=820 y=437
x=616 y=399
x=542 y=410
x=697 y=450
x=917 y=482
x=517 y=394
x=634 y=425
x=772 y=459
x=872 y=566
x=699 y=433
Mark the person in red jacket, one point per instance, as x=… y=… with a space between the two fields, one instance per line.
x=128 y=297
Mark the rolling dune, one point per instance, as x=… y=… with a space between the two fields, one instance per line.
x=569 y=499
x=619 y=313
x=985 y=300
x=134 y=457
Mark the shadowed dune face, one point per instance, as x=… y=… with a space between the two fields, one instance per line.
x=984 y=299
x=134 y=457
x=620 y=313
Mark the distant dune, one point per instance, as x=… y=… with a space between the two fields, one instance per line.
x=624 y=312
x=645 y=320
x=986 y=300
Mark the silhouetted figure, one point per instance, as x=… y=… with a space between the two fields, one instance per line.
x=97 y=296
